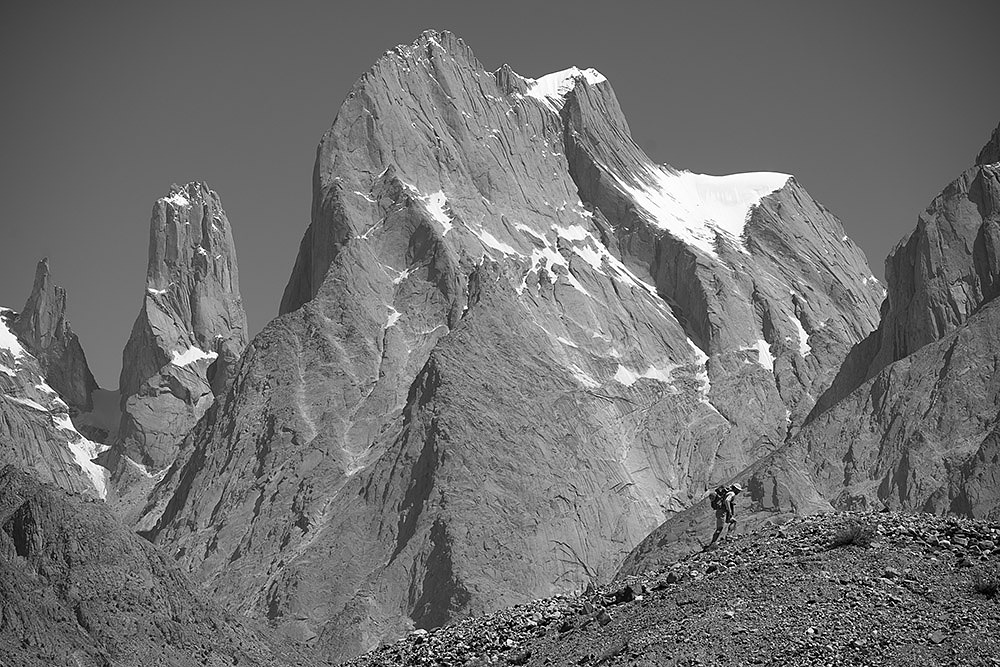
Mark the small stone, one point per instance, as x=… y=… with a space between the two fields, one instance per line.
x=891 y=573
x=603 y=617
x=936 y=637
x=625 y=594
x=519 y=657
x=672 y=578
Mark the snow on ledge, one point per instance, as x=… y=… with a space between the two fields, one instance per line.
x=27 y=402
x=190 y=356
x=435 y=204
x=551 y=89
x=764 y=356
x=804 y=348
x=8 y=341
x=629 y=377
x=697 y=207
x=84 y=451
x=177 y=199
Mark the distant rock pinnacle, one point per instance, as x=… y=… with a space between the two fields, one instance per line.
x=43 y=328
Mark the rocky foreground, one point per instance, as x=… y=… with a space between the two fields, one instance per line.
x=832 y=589
x=78 y=589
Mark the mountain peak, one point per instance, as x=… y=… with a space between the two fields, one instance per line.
x=429 y=42
x=191 y=316
x=43 y=328
x=552 y=89
x=990 y=153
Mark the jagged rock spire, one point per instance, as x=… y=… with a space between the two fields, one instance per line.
x=43 y=329
x=190 y=328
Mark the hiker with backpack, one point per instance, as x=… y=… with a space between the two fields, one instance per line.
x=723 y=500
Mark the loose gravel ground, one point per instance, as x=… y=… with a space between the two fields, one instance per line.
x=834 y=589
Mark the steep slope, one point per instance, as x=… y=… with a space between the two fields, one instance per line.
x=77 y=588
x=509 y=346
x=36 y=431
x=44 y=330
x=912 y=419
x=190 y=329
x=834 y=589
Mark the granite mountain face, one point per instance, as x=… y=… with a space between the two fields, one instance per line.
x=510 y=346
x=920 y=430
x=911 y=421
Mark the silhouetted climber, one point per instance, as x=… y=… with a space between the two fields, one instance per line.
x=723 y=501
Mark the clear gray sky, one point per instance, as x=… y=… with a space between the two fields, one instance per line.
x=873 y=106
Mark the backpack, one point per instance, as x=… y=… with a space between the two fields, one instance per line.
x=718 y=497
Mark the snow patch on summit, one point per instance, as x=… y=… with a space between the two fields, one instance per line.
x=551 y=89
x=177 y=199
x=697 y=207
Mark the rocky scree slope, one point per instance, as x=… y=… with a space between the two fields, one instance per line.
x=37 y=433
x=911 y=420
x=190 y=330
x=510 y=345
x=839 y=588
x=79 y=589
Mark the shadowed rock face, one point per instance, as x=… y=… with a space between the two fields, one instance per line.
x=938 y=275
x=190 y=329
x=912 y=420
x=991 y=151
x=503 y=356
x=76 y=587
x=43 y=328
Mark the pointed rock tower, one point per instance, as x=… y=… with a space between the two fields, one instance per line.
x=191 y=327
x=44 y=330
x=44 y=379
